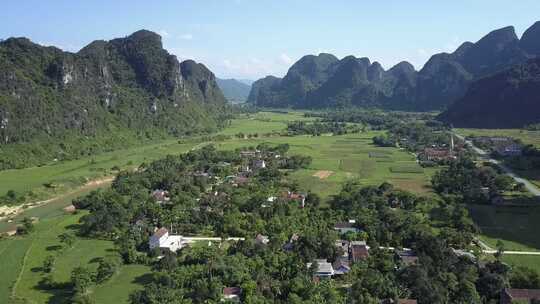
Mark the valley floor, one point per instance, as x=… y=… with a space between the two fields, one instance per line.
x=336 y=159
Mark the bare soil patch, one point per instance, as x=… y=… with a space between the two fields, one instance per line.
x=323 y=174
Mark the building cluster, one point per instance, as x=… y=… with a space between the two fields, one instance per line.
x=440 y=153
x=503 y=146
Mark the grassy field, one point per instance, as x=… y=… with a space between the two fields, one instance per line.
x=531 y=261
x=33 y=179
x=262 y=122
x=45 y=242
x=21 y=261
x=516 y=227
x=12 y=253
x=118 y=288
x=50 y=210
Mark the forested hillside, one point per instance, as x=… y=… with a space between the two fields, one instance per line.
x=60 y=105
x=510 y=99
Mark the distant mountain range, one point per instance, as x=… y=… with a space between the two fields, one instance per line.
x=119 y=89
x=235 y=91
x=324 y=81
x=508 y=99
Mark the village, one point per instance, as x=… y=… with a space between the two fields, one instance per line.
x=351 y=245
x=350 y=249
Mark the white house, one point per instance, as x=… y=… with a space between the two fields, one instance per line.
x=161 y=239
x=324 y=269
x=231 y=294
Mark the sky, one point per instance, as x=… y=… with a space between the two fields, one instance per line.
x=250 y=39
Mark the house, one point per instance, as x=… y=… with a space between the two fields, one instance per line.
x=344 y=245
x=231 y=294
x=296 y=197
x=262 y=239
x=162 y=240
x=161 y=196
x=345 y=227
x=508 y=149
x=406 y=301
x=249 y=153
x=341 y=266
x=324 y=269
x=399 y=301
x=240 y=181
x=510 y=295
x=290 y=244
x=259 y=164
x=407 y=258
x=201 y=174
x=358 y=251
x=436 y=154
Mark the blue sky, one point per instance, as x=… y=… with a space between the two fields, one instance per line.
x=253 y=38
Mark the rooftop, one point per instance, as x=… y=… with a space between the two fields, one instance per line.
x=161 y=232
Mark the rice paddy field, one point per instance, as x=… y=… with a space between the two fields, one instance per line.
x=347 y=157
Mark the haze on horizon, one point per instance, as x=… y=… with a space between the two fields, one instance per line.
x=251 y=39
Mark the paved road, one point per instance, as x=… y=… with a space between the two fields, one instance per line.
x=485 y=155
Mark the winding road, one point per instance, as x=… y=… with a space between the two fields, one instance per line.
x=485 y=156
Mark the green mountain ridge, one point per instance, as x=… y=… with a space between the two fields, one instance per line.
x=325 y=81
x=235 y=91
x=129 y=89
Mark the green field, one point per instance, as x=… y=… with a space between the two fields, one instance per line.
x=517 y=227
x=76 y=171
x=118 y=288
x=347 y=157
x=531 y=261
x=262 y=122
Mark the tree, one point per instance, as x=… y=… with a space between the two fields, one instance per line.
x=107 y=267
x=11 y=195
x=27 y=226
x=313 y=200
x=523 y=277
x=48 y=264
x=500 y=249
x=67 y=238
x=81 y=279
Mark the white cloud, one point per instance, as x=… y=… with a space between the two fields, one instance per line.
x=285 y=59
x=163 y=33
x=186 y=36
